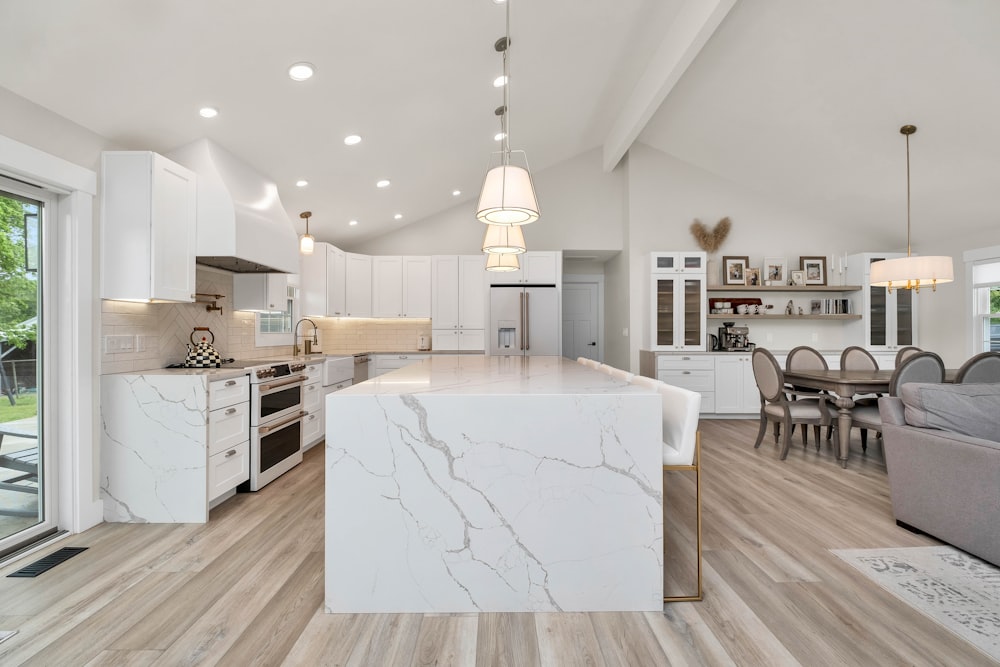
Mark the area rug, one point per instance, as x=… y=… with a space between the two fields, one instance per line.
x=955 y=589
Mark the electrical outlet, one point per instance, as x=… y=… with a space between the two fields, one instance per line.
x=116 y=344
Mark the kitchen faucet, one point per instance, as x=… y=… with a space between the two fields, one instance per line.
x=308 y=343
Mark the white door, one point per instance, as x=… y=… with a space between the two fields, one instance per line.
x=541 y=321
x=580 y=317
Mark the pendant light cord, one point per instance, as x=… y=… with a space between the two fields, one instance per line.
x=908 y=195
x=506 y=88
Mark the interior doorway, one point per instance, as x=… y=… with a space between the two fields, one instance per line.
x=583 y=316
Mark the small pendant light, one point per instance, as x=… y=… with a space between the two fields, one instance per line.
x=306 y=241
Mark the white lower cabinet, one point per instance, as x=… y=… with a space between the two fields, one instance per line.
x=462 y=340
x=384 y=363
x=228 y=469
x=694 y=372
x=313 y=403
x=735 y=387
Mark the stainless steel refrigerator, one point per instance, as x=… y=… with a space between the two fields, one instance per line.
x=524 y=320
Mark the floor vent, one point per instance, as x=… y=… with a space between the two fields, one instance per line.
x=48 y=562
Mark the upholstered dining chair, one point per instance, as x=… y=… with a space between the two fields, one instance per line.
x=982 y=368
x=589 y=363
x=616 y=373
x=919 y=367
x=805 y=358
x=856 y=358
x=681 y=451
x=775 y=405
x=905 y=353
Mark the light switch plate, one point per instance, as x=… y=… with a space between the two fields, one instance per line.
x=116 y=344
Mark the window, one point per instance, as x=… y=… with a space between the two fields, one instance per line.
x=276 y=328
x=986 y=304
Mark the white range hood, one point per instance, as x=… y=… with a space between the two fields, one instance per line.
x=242 y=226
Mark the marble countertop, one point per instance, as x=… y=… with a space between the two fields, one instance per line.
x=211 y=373
x=494 y=375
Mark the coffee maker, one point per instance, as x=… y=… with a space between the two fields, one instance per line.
x=734 y=339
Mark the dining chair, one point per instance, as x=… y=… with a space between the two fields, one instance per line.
x=856 y=358
x=776 y=406
x=919 y=367
x=982 y=368
x=589 y=363
x=616 y=373
x=905 y=353
x=805 y=358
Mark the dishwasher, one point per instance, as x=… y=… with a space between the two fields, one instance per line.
x=360 y=367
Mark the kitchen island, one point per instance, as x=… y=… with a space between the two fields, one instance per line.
x=492 y=483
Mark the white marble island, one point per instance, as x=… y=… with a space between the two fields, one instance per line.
x=477 y=483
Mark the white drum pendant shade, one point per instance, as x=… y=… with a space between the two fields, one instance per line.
x=508 y=197
x=306 y=244
x=912 y=272
x=504 y=239
x=499 y=263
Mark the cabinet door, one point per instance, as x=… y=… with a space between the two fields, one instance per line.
x=903 y=307
x=540 y=268
x=359 y=285
x=444 y=339
x=678 y=262
x=336 y=282
x=728 y=384
x=472 y=292
x=387 y=286
x=416 y=287
x=472 y=340
x=750 y=393
x=313 y=278
x=173 y=235
x=444 y=289
x=691 y=308
x=664 y=334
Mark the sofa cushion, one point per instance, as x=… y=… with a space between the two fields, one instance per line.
x=968 y=409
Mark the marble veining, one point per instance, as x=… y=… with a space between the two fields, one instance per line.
x=457 y=497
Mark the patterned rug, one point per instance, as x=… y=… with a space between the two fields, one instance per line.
x=955 y=589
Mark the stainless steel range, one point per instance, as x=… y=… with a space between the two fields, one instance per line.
x=276 y=393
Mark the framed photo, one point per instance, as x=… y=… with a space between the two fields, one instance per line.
x=752 y=276
x=816 y=307
x=798 y=277
x=775 y=271
x=815 y=268
x=734 y=270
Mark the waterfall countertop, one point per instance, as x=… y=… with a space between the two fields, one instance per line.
x=475 y=483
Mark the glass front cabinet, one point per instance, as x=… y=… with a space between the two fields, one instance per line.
x=889 y=320
x=679 y=301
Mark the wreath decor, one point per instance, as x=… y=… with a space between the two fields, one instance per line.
x=710 y=240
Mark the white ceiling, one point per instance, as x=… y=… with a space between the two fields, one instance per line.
x=799 y=100
x=413 y=78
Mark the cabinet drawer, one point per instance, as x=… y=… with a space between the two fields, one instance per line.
x=392 y=362
x=312 y=428
x=313 y=397
x=227 y=427
x=684 y=362
x=313 y=371
x=696 y=380
x=228 y=469
x=223 y=393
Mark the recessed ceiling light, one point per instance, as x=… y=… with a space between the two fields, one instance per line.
x=499 y=136
x=352 y=222
x=499 y=81
x=455 y=193
x=398 y=216
x=208 y=112
x=301 y=183
x=499 y=2
x=352 y=139
x=384 y=183
x=300 y=71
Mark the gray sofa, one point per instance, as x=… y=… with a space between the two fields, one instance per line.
x=942 y=452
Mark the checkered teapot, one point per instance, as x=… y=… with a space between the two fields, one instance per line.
x=202 y=354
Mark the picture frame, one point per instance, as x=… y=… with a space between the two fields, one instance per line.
x=775 y=271
x=815 y=270
x=816 y=307
x=752 y=276
x=798 y=277
x=734 y=270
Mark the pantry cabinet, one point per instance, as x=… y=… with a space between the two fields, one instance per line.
x=888 y=320
x=458 y=302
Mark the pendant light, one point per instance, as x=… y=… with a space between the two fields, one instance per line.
x=911 y=272
x=306 y=241
x=504 y=239
x=501 y=262
x=508 y=195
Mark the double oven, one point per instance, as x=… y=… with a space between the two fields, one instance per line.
x=276 y=396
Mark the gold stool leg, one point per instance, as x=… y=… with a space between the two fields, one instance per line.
x=697 y=488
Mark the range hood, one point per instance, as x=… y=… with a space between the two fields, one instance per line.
x=242 y=226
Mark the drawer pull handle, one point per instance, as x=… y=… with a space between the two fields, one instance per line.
x=231 y=411
x=686 y=358
x=231 y=452
x=685 y=372
x=231 y=383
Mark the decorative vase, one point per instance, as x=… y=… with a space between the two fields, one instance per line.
x=713 y=274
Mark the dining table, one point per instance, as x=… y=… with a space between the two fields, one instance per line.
x=844 y=387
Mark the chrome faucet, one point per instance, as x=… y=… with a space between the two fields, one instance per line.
x=308 y=343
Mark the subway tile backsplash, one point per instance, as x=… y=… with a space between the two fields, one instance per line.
x=160 y=331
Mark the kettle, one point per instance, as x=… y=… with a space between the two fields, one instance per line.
x=202 y=354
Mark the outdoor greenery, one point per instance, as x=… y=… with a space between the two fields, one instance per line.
x=27 y=406
x=18 y=286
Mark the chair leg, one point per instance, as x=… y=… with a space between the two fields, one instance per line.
x=763 y=429
x=829 y=432
x=815 y=436
x=805 y=435
x=864 y=440
x=697 y=512
x=777 y=431
x=786 y=441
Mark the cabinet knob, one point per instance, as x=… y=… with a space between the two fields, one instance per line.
x=231 y=452
x=231 y=411
x=403 y=356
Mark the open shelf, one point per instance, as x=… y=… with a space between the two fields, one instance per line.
x=737 y=316
x=783 y=288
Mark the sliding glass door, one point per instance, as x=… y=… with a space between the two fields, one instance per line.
x=26 y=505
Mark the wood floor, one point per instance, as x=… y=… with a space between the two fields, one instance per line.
x=247 y=588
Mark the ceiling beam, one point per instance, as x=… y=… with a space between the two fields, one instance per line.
x=690 y=30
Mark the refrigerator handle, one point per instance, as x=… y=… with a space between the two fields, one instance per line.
x=527 y=320
x=520 y=317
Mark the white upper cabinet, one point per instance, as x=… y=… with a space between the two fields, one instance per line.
x=678 y=262
x=321 y=285
x=336 y=282
x=358 y=285
x=471 y=291
x=148 y=227
x=401 y=286
x=260 y=292
x=458 y=305
x=537 y=268
x=416 y=287
x=444 y=290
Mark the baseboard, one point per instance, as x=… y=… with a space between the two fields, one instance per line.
x=912 y=529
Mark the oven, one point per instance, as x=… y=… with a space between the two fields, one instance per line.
x=276 y=395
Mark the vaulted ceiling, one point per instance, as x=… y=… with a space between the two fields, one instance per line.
x=801 y=101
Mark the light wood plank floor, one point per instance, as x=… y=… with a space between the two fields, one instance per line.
x=247 y=588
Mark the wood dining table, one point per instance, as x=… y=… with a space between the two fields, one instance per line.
x=845 y=385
